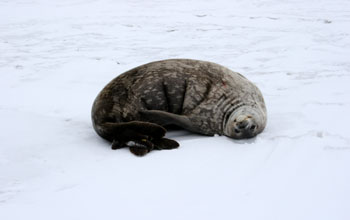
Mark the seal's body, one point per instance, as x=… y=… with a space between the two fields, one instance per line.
x=199 y=96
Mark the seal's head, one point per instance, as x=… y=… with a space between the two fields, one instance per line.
x=245 y=122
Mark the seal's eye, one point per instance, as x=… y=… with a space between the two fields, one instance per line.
x=252 y=127
x=237 y=131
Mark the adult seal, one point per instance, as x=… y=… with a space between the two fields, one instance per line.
x=203 y=97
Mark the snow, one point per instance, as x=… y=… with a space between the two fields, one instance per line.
x=57 y=55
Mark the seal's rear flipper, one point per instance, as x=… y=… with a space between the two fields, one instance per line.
x=165 y=144
x=140 y=148
x=139 y=151
x=126 y=131
x=141 y=137
x=117 y=145
x=165 y=118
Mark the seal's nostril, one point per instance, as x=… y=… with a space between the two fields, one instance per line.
x=240 y=125
x=243 y=124
x=237 y=131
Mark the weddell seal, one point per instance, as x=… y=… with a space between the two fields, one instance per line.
x=199 y=96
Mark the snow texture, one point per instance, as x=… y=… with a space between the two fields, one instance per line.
x=57 y=55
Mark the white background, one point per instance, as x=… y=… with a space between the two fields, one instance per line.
x=55 y=56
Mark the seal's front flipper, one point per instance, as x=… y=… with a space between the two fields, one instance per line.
x=165 y=144
x=165 y=118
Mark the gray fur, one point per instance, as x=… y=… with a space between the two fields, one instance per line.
x=200 y=96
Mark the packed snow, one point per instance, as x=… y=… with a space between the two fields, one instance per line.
x=55 y=56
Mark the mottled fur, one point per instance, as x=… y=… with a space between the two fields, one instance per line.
x=200 y=96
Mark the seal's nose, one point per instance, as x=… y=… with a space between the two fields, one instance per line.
x=245 y=127
x=243 y=124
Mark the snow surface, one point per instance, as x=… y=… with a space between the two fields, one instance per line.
x=55 y=56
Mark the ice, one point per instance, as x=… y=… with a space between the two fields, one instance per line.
x=55 y=56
